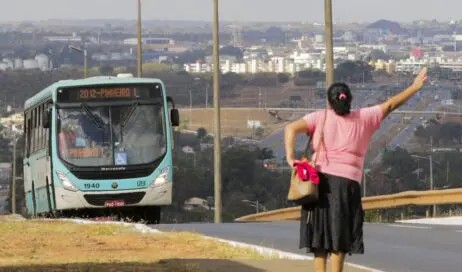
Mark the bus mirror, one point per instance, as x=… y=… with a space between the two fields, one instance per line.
x=170 y=101
x=46 y=119
x=175 y=117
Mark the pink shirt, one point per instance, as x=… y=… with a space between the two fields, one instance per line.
x=346 y=139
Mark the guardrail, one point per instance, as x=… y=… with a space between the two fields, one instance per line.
x=305 y=110
x=438 y=197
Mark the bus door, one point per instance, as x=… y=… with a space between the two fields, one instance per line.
x=28 y=187
x=41 y=163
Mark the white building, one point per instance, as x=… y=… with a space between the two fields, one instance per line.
x=453 y=64
x=67 y=39
x=198 y=67
x=30 y=64
x=410 y=65
x=43 y=62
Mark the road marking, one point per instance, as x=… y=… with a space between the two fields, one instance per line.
x=410 y=227
x=271 y=252
x=458 y=230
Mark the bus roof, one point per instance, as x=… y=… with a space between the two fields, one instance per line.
x=48 y=91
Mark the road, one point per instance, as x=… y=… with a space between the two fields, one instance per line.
x=408 y=133
x=389 y=247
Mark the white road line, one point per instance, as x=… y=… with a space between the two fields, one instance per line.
x=270 y=252
x=458 y=230
x=410 y=227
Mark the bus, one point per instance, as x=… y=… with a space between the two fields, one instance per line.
x=99 y=145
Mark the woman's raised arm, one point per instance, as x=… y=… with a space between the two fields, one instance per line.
x=399 y=99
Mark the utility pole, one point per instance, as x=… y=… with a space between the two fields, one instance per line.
x=431 y=172
x=85 y=59
x=447 y=173
x=216 y=104
x=139 y=47
x=85 y=63
x=364 y=183
x=13 y=189
x=329 y=42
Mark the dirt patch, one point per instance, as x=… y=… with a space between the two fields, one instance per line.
x=234 y=121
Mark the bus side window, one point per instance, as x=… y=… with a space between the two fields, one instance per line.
x=39 y=128
x=26 y=134
x=32 y=130
x=29 y=133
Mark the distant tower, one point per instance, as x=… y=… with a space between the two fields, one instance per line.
x=237 y=36
x=453 y=26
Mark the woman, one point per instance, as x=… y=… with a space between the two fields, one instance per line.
x=333 y=225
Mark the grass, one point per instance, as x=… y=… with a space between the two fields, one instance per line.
x=49 y=245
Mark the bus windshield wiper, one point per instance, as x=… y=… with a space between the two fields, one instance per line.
x=91 y=116
x=130 y=114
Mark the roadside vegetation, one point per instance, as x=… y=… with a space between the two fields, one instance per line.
x=48 y=245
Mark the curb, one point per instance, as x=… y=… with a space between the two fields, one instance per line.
x=270 y=252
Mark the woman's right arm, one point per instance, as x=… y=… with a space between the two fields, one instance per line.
x=290 y=132
x=399 y=99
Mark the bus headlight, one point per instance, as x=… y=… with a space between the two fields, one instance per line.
x=67 y=184
x=162 y=178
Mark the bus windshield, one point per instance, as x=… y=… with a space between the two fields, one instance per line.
x=111 y=135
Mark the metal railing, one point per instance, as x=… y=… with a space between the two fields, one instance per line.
x=435 y=197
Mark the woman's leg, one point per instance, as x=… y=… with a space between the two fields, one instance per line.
x=337 y=259
x=320 y=259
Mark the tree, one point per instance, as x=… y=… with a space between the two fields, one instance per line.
x=152 y=68
x=309 y=77
x=259 y=132
x=353 y=71
x=377 y=54
x=106 y=70
x=201 y=133
x=283 y=78
x=232 y=51
x=266 y=153
x=20 y=197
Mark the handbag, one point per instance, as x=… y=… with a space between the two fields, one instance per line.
x=303 y=192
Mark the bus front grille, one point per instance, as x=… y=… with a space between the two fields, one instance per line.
x=128 y=198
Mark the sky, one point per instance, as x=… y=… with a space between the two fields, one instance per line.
x=233 y=10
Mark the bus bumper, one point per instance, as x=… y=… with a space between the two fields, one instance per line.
x=154 y=196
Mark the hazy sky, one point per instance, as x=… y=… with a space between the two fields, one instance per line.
x=234 y=10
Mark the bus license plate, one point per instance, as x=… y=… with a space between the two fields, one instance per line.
x=114 y=203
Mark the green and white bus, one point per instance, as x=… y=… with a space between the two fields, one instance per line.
x=99 y=145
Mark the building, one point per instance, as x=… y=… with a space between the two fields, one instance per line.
x=411 y=65
x=14 y=122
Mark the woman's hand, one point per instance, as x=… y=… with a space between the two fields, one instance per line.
x=293 y=162
x=419 y=81
x=290 y=131
x=399 y=99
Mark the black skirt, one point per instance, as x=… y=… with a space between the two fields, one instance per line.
x=335 y=222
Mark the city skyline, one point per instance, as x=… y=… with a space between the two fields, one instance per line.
x=237 y=10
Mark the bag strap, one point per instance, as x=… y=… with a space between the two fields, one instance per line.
x=321 y=141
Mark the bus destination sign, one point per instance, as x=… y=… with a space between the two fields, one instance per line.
x=108 y=93
x=101 y=93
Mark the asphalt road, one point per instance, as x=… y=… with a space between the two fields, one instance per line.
x=389 y=247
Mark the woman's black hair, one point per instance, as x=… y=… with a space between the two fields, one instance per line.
x=339 y=97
